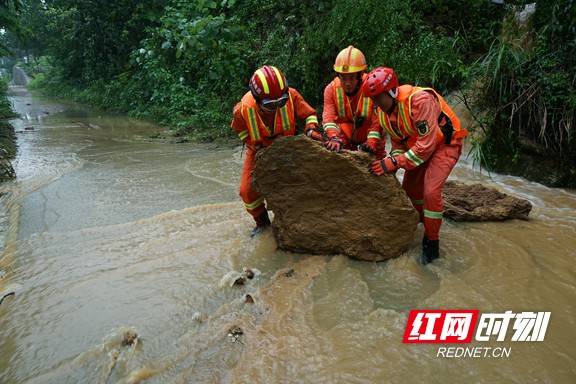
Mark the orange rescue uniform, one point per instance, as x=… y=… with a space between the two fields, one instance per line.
x=427 y=142
x=351 y=118
x=257 y=129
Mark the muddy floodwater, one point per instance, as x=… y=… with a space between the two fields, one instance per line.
x=108 y=232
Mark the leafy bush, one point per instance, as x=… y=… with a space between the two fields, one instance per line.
x=5 y=106
x=527 y=93
x=192 y=61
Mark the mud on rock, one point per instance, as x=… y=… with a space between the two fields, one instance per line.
x=328 y=203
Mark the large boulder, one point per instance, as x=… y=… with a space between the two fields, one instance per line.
x=327 y=203
x=476 y=202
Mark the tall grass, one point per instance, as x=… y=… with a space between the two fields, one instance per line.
x=5 y=106
x=527 y=96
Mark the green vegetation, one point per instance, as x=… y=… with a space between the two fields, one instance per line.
x=5 y=106
x=526 y=93
x=185 y=63
x=7 y=139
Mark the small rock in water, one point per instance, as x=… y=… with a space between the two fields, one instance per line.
x=248 y=299
x=235 y=331
x=249 y=273
x=234 y=334
x=28 y=128
x=289 y=273
x=129 y=338
x=235 y=278
x=198 y=317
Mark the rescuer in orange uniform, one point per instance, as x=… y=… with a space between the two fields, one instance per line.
x=426 y=141
x=267 y=111
x=348 y=117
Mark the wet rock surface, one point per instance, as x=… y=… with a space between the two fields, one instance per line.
x=235 y=278
x=328 y=203
x=129 y=338
x=476 y=202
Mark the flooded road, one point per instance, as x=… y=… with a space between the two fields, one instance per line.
x=106 y=230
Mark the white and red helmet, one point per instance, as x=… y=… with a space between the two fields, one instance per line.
x=379 y=80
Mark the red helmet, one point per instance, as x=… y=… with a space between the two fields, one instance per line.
x=379 y=80
x=268 y=82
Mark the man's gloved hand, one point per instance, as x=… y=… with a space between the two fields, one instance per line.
x=371 y=145
x=365 y=148
x=334 y=144
x=382 y=166
x=314 y=134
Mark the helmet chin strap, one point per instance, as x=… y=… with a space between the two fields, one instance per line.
x=266 y=110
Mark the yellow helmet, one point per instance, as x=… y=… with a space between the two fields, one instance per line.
x=350 y=60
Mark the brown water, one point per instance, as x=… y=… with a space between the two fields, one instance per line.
x=106 y=230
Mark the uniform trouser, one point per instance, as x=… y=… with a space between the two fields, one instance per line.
x=253 y=201
x=424 y=185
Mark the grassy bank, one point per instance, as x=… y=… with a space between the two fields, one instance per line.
x=525 y=91
x=7 y=138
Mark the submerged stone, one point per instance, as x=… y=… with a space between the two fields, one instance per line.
x=476 y=202
x=129 y=338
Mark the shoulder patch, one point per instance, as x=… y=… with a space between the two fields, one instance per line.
x=422 y=127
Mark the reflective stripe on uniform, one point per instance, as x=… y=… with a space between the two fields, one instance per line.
x=374 y=135
x=284 y=118
x=385 y=123
x=405 y=119
x=410 y=155
x=432 y=214
x=396 y=152
x=243 y=135
x=331 y=126
x=417 y=202
x=312 y=119
x=366 y=107
x=255 y=204
x=340 y=102
x=253 y=125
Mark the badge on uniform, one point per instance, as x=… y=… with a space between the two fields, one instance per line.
x=422 y=127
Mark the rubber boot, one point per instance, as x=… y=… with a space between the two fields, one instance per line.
x=430 y=250
x=424 y=250
x=262 y=222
